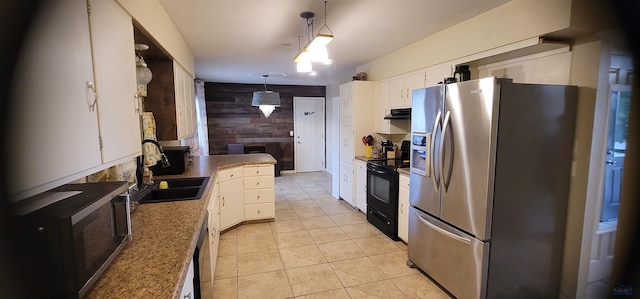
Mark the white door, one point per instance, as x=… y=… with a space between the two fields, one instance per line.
x=601 y=260
x=308 y=126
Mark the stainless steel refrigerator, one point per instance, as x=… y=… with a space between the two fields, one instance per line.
x=489 y=184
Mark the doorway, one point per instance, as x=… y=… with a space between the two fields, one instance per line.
x=614 y=112
x=309 y=134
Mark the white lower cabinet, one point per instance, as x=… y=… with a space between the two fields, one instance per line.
x=360 y=193
x=188 y=290
x=259 y=199
x=403 y=208
x=231 y=197
x=346 y=183
x=214 y=226
x=246 y=193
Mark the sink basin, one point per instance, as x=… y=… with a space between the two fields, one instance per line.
x=179 y=189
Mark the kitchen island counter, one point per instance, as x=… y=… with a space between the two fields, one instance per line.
x=155 y=262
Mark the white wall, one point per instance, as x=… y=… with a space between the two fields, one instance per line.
x=515 y=21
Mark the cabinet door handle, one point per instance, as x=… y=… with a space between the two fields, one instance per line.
x=223 y=201
x=136 y=104
x=232 y=175
x=91 y=89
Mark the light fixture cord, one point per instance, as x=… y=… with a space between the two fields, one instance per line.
x=309 y=28
x=325 y=20
x=265 y=81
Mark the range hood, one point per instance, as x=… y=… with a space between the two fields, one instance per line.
x=401 y=113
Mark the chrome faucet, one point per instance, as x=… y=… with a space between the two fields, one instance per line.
x=140 y=168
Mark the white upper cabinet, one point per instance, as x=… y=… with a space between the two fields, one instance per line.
x=185 y=102
x=381 y=107
x=115 y=72
x=437 y=74
x=54 y=135
x=401 y=88
x=68 y=94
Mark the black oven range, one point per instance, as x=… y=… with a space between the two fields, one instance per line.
x=382 y=194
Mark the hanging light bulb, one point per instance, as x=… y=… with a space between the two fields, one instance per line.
x=304 y=63
x=266 y=109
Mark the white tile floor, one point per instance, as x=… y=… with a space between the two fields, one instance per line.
x=317 y=247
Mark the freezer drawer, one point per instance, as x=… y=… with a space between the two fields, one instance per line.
x=455 y=260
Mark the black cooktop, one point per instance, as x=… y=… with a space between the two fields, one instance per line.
x=391 y=163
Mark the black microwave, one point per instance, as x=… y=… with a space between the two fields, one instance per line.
x=72 y=235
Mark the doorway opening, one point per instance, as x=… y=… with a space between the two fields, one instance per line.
x=615 y=113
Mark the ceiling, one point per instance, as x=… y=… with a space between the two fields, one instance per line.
x=240 y=40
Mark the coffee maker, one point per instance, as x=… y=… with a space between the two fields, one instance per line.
x=404 y=152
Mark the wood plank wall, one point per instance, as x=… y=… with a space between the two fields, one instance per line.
x=232 y=119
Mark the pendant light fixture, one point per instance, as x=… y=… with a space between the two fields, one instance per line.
x=316 y=49
x=266 y=100
x=143 y=73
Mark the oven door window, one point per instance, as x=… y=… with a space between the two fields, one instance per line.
x=95 y=238
x=379 y=188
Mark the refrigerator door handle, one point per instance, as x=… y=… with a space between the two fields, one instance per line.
x=445 y=178
x=432 y=167
x=442 y=231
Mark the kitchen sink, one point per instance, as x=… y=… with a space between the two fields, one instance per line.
x=178 y=189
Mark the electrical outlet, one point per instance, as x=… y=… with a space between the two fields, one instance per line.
x=291 y=133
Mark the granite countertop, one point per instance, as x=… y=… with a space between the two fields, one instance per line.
x=155 y=263
x=363 y=158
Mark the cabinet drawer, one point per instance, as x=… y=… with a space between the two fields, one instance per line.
x=259 y=196
x=258 y=182
x=258 y=170
x=361 y=166
x=230 y=173
x=404 y=181
x=259 y=211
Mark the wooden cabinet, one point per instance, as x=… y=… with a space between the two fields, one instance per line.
x=356 y=99
x=403 y=208
x=231 y=197
x=69 y=98
x=259 y=196
x=360 y=193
